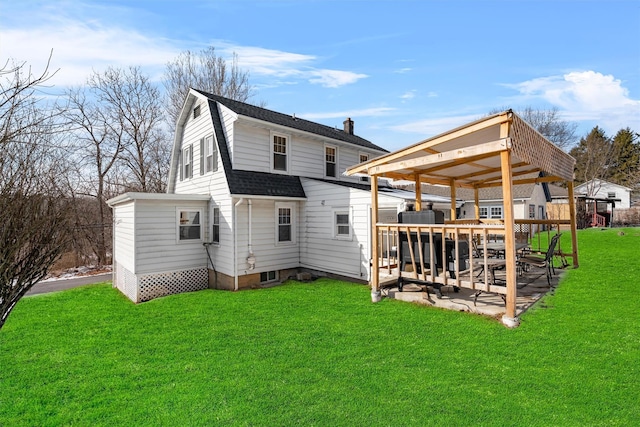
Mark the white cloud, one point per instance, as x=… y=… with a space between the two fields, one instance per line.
x=82 y=45
x=366 y=112
x=408 y=95
x=270 y=62
x=86 y=37
x=586 y=96
x=403 y=70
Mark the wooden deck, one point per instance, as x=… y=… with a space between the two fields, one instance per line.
x=531 y=285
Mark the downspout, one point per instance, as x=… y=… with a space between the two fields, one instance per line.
x=251 y=259
x=235 y=244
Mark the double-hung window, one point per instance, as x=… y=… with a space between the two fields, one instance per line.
x=215 y=225
x=189 y=224
x=484 y=212
x=209 y=155
x=496 y=212
x=330 y=157
x=186 y=172
x=341 y=224
x=285 y=223
x=279 y=152
x=364 y=158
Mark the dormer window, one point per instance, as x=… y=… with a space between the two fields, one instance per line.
x=196 y=112
x=330 y=155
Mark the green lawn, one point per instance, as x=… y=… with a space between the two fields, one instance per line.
x=323 y=354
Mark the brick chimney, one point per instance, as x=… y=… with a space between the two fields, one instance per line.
x=348 y=126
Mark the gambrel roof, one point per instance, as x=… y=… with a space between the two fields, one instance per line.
x=292 y=122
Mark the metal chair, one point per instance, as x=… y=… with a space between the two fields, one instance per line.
x=545 y=262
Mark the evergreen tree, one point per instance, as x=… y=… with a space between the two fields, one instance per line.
x=625 y=168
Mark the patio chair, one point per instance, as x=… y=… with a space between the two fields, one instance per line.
x=527 y=261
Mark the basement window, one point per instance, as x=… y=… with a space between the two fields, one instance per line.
x=268 y=276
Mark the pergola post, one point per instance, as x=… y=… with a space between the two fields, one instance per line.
x=453 y=199
x=574 y=228
x=375 y=270
x=476 y=202
x=510 y=318
x=418 y=191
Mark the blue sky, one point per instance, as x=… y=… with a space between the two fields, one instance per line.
x=403 y=70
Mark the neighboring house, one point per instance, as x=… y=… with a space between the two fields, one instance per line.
x=603 y=190
x=254 y=197
x=530 y=200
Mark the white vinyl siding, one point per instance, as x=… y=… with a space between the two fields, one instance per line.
x=158 y=248
x=319 y=249
x=124 y=235
x=269 y=254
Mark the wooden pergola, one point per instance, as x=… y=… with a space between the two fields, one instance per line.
x=501 y=150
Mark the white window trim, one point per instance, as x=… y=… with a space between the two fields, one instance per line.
x=335 y=148
x=292 y=207
x=288 y=153
x=496 y=207
x=187 y=241
x=334 y=225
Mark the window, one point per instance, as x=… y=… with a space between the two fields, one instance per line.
x=611 y=195
x=496 y=212
x=196 y=112
x=279 y=153
x=188 y=225
x=187 y=163
x=484 y=212
x=364 y=158
x=268 y=276
x=209 y=155
x=285 y=223
x=215 y=225
x=341 y=224
x=330 y=154
x=532 y=211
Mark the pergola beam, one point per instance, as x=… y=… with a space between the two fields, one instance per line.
x=467 y=154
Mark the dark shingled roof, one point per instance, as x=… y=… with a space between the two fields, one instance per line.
x=242 y=182
x=289 y=121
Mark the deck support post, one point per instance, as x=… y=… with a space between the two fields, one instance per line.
x=572 y=216
x=509 y=319
x=375 y=270
x=476 y=202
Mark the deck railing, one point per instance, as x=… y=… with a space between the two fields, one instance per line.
x=466 y=257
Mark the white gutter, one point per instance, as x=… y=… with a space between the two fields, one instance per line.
x=235 y=244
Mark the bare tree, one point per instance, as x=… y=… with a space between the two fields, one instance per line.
x=135 y=106
x=205 y=71
x=594 y=153
x=549 y=124
x=33 y=210
x=99 y=141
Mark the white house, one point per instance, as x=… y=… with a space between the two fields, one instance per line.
x=601 y=189
x=254 y=197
